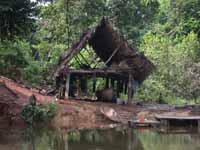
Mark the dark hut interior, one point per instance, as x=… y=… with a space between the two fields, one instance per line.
x=123 y=66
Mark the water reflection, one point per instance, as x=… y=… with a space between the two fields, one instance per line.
x=110 y=139
x=113 y=139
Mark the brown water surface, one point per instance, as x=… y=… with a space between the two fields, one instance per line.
x=95 y=139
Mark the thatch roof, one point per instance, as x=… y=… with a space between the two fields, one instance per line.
x=112 y=49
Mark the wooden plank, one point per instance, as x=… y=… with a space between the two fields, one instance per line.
x=99 y=73
x=163 y=117
x=111 y=56
x=176 y=130
x=94 y=83
x=92 y=71
x=145 y=123
x=107 y=82
x=130 y=88
x=84 y=59
x=70 y=53
x=104 y=70
x=67 y=86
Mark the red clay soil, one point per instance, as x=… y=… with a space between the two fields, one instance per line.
x=71 y=113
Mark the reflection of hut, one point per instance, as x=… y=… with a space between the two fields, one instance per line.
x=123 y=64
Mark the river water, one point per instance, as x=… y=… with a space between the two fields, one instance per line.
x=96 y=139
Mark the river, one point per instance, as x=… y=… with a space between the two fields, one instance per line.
x=95 y=139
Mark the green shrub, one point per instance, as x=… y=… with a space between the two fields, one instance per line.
x=14 y=55
x=33 y=114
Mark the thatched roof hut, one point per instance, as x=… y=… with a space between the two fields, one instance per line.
x=121 y=59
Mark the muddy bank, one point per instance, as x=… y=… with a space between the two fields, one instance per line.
x=76 y=114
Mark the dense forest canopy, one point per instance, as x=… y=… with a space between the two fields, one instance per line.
x=33 y=34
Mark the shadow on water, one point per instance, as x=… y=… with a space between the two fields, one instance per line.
x=95 y=139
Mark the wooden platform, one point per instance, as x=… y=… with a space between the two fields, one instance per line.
x=184 y=120
x=162 y=117
x=145 y=123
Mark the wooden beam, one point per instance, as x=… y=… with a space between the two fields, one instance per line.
x=111 y=56
x=67 y=86
x=115 y=71
x=84 y=59
x=98 y=61
x=94 y=83
x=70 y=53
x=164 y=117
x=113 y=83
x=77 y=60
x=125 y=87
x=107 y=82
x=118 y=88
x=130 y=88
x=98 y=72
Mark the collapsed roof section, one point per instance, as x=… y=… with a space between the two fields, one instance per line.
x=113 y=50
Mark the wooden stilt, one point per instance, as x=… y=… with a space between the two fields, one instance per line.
x=132 y=94
x=130 y=88
x=113 y=83
x=107 y=82
x=121 y=83
x=118 y=88
x=94 y=83
x=83 y=84
x=125 y=88
x=67 y=86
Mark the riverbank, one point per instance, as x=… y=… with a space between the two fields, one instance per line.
x=74 y=114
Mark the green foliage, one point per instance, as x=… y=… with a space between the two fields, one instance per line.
x=133 y=17
x=167 y=31
x=33 y=73
x=17 y=18
x=172 y=58
x=33 y=114
x=13 y=57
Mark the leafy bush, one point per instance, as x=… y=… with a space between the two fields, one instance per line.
x=14 y=55
x=173 y=78
x=33 y=114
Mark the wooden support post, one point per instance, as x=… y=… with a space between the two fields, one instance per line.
x=67 y=86
x=114 y=52
x=107 y=82
x=130 y=88
x=94 y=83
x=133 y=90
x=83 y=84
x=198 y=126
x=165 y=125
x=65 y=140
x=113 y=83
x=84 y=59
x=130 y=139
x=125 y=88
x=118 y=88
x=121 y=86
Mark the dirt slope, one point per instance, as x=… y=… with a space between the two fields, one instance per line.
x=73 y=113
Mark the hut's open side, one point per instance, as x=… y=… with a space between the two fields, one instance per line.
x=122 y=62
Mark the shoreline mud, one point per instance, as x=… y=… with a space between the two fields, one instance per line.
x=75 y=114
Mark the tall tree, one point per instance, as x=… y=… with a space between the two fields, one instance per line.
x=16 y=18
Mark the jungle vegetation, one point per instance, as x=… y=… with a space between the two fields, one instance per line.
x=34 y=33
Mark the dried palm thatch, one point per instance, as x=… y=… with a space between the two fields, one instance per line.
x=113 y=50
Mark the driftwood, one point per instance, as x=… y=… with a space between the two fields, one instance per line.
x=111 y=114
